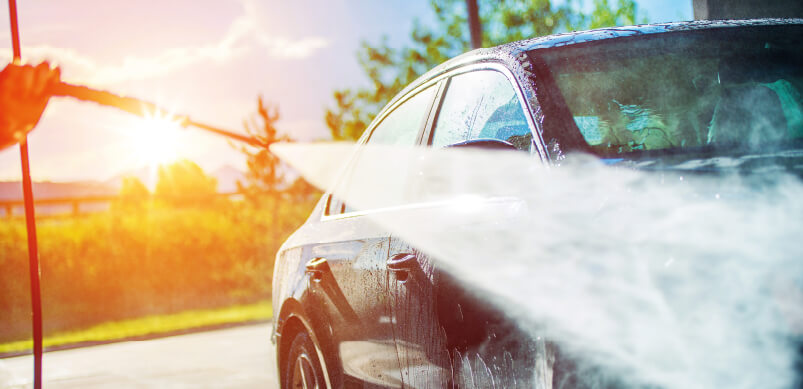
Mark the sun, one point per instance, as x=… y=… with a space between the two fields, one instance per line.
x=155 y=140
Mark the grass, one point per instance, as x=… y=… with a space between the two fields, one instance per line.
x=150 y=325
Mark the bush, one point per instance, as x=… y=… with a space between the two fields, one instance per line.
x=137 y=261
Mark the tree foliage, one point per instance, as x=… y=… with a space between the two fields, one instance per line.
x=391 y=69
x=264 y=175
x=132 y=188
x=133 y=194
x=185 y=183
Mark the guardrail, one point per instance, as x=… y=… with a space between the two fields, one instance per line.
x=75 y=202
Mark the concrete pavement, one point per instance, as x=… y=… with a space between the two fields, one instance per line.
x=230 y=358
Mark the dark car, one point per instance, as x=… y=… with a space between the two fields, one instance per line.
x=355 y=306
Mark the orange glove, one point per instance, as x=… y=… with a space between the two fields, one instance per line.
x=24 y=93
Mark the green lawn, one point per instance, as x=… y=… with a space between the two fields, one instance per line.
x=151 y=325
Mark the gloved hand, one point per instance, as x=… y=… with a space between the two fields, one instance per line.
x=24 y=93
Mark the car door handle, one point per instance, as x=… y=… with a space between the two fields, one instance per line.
x=316 y=267
x=401 y=264
x=403 y=261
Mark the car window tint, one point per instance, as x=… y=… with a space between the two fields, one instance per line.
x=399 y=128
x=481 y=104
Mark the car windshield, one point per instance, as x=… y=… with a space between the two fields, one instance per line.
x=722 y=90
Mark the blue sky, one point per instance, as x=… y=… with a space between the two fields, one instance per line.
x=206 y=59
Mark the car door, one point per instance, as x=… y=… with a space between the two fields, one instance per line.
x=349 y=275
x=427 y=320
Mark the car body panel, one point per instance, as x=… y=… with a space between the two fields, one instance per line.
x=355 y=321
x=420 y=341
x=416 y=327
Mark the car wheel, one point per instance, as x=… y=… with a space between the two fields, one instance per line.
x=303 y=369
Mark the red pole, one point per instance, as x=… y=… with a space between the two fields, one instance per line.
x=30 y=221
x=33 y=264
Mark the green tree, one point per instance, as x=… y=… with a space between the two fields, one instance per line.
x=185 y=183
x=391 y=69
x=301 y=190
x=133 y=194
x=264 y=178
x=264 y=175
x=265 y=188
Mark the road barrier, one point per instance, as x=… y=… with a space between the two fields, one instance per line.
x=55 y=206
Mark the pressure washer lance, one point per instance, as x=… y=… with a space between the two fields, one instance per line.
x=141 y=108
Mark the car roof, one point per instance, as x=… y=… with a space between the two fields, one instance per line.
x=510 y=51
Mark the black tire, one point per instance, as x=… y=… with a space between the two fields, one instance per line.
x=303 y=369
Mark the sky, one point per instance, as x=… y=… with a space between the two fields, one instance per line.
x=206 y=59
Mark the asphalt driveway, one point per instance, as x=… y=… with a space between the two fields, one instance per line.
x=229 y=358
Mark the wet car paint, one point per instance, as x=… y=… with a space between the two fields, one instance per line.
x=414 y=327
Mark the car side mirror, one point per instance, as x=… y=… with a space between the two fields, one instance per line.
x=485 y=144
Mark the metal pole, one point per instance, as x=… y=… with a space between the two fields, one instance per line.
x=30 y=221
x=33 y=265
x=474 y=26
x=142 y=108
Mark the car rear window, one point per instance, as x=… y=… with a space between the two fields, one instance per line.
x=727 y=88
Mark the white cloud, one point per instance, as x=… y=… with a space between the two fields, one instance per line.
x=245 y=34
x=283 y=48
x=277 y=46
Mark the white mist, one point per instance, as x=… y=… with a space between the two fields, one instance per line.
x=659 y=278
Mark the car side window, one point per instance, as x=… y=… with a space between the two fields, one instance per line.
x=481 y=105
x=400 y=127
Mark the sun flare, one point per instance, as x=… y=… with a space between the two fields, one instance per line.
x=155 y=140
